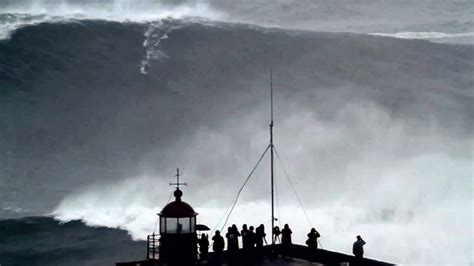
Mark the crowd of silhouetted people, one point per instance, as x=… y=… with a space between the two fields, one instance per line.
x=253 y=239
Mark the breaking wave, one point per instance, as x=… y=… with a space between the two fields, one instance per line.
x=425 y=35
x=377 y=155
x=13 y=19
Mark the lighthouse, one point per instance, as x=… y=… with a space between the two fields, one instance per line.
x=178 y=240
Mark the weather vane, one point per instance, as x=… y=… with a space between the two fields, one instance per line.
x=177 y=184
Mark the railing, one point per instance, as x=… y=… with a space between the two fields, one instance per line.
x=153 y=247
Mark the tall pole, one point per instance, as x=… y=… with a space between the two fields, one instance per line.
x=271 y=153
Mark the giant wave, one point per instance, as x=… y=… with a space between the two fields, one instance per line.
x=446 y=22
x=98 y=136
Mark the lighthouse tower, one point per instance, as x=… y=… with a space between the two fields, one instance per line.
x=178 y=240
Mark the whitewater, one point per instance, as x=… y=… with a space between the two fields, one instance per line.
x=448 y=22
x=101 y=100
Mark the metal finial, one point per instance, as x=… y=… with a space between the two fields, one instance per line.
x=177 y=184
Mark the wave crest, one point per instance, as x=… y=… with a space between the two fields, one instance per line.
x=129 y=205
x=425 y=35
x=12 y=19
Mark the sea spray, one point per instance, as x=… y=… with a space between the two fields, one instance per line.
x=13 y=17
x=128 y=205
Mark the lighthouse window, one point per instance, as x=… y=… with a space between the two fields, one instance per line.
x=162 y=225
x=171 y=225
x=184 y=226
x=193 y=224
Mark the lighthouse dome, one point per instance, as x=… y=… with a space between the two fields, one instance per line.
x=178 y=208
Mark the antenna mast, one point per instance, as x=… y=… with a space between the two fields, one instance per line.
x=271 y=153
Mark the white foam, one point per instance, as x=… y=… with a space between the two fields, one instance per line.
x=13 y=209
x=404 y=204
x=425 y=35
x=156 y=32
x=404 y=228
x=15 y=17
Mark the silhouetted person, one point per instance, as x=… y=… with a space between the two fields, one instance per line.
x=358 y=248
x=259 y=236
x=286 y=236
x=232 y=240
x=203 y=247
x=218 y=244
x=245 y=237
x=313 y=236
x=251 y=237
x=277 y=233
x=236 y=232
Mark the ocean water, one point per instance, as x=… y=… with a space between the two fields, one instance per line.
x=101 y=101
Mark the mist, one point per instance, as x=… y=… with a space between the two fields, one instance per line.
x=393 y=197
